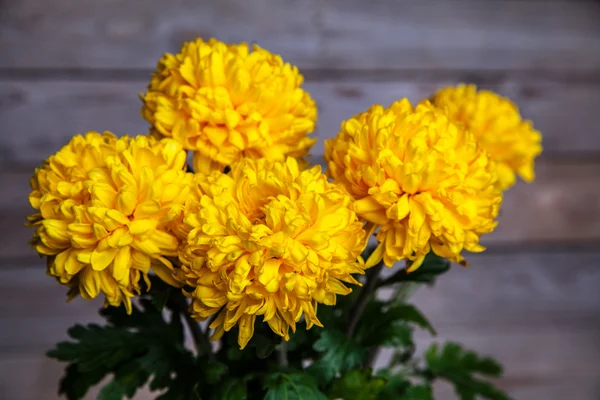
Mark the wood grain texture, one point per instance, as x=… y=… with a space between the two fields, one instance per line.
x=134 y=34
x=458 y=34
x=37 y=118
x=532 y=289
x=534 y=312
x=560 y=205
x=30 y=376
x=464 y=34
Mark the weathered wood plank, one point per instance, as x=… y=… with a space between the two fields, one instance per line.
x=517 y=289
x=37 y=118
x=30 y=376
x=134 y=34
x=562 y=206
x=535 y=288
x=524 y=292
x=585 y=388
x=460 y=34
x=336 y=33
x=34 y=125
x=537 y=313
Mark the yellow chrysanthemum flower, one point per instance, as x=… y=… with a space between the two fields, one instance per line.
x=106 y=212
x=417 y=176
x=498 y=127
x=226 y=102
x=268 y=239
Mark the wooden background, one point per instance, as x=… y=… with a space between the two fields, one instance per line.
x=532 y=300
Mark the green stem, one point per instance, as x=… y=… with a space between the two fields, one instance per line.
x=282 y=354
x=404 y=291
x=363 y=298
x=178 y=303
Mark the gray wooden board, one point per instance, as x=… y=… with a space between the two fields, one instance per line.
x=527 y=289
x=464 y=34
x=537 y=313
x=38 y=117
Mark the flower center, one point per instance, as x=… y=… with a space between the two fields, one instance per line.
x=257 y=217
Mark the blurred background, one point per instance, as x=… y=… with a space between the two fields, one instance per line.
x=532 y=300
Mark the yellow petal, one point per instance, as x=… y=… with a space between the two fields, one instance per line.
x=122 y=265
x=376 y=256
x=371 y=210
x=417 y=262
x=142 y=226
x=400 y=209
x=89 y=283
x=102 y=258
x=126 y=200
x=163 y=269
x=268 y=275
x=72 y=264
x=246 y=329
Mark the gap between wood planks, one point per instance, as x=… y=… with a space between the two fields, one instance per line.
x=313 y=33
x=348 y=75
x=55 y=110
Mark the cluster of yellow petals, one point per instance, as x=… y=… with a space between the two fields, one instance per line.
x=227 y=102
x=420 y=178
x=269 y=239
x=498 y=127
x=106 y=212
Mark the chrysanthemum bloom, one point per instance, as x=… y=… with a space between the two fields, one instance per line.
x=226 y=102
x=106 y=208
x=498 y=127
x=419 y=178
x=271 y=240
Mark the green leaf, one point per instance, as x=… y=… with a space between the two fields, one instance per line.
x=265 y=345
x=132 y=349
x=461 y=367
x=398 y=336
x=231 y=389
x=234 y=354
x=340 y=354
x=112 y=391
x=214 y=371
x=294 y=386
x=399 y=387
x=160 y=297
x=97 y=347
x=394 y=387
x=357 y=385
x=178 y=392
x=417 y=393
x=130 y=377
x=383 y=326
x=410 y=314
x=75 y=384
x=298 y=340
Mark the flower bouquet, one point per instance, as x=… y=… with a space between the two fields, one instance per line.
x=252 y=274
